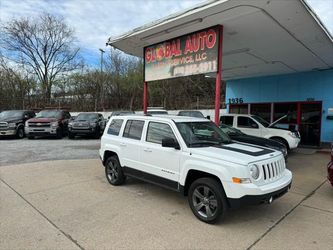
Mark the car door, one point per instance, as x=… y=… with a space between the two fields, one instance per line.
x=157 y=160
x=131 y=144
x=248 y=125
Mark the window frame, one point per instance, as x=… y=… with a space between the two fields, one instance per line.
x=121 y=126
x=131 y=120
x=240 y=116
x=159 y=122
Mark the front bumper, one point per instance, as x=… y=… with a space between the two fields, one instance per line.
x=85 y=131
x=8 y=132
x=257 y=199
x=294 y=142
x=41 y=131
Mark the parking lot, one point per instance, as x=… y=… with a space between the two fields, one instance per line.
x=54 y=195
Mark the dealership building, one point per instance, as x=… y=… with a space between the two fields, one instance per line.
x=277 y=59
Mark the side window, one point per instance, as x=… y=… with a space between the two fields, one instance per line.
x=228 y=120
x=158 y=131
x=246 y=122
x=133 y=129
x=115 y=126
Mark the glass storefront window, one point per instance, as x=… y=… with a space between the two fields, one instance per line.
x=262 y=109
x=290 y=109
x=238 y=109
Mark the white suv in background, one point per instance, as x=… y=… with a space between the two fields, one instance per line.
x=194 y=157
x=257 y=126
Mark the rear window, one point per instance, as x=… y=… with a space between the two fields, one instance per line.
x=133 y=129
x=115 y=126
x=228 y=120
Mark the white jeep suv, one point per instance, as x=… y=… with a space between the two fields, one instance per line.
x=194 y=157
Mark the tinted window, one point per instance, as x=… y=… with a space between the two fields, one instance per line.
x=115 y=127
x=133 y=129
x=228 y=120
x=158 y=131
x=246 y=122
x=202 y=134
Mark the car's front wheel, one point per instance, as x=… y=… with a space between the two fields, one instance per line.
x=113 y=171
x=20 y=133
x=207 y=200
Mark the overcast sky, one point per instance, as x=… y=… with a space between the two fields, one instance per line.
x=95 y=20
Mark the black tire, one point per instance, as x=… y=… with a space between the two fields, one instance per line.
x=97 y=134
x=71 y=136
x=207 y=200
x=20 y=133
x=30 y=137
x=60 y=133
x=114 y=172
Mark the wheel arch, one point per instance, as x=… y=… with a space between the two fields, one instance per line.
x=286 y=143
x=108 y=154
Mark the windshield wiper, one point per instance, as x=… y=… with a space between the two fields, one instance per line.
x=207 y=143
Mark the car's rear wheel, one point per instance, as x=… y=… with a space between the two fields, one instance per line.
x=60 y=133
x=207 y=200
x=113 y=171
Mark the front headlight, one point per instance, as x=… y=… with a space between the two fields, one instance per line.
x=54 y=124
x=70 y=124
x=93 y=124
x=12 y=125
x=27 y=124
x=254 y=171
x=293 y=134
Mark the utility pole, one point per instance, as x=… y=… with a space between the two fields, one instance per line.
x=102 y=80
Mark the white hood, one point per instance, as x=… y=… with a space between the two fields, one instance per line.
x=237 y=153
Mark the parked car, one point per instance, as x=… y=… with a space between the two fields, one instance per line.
x=156 y=111
x=122 y=112
x=193 y=156
x=257 y=126
x=87 y=124
x=48 y=123
x=191 y=113
x=237 y=135
x=330 y=167
x=12 y=122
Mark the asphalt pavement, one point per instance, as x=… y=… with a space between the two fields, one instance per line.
x=68 y=204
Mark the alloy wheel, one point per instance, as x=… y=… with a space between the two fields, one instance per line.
x=204 y=201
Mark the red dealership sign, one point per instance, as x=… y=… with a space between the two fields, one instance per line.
x=192 y=54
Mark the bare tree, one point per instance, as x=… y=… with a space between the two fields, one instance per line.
x=45 y=45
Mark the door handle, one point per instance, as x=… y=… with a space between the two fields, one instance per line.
x=122 y=144
x=147 y=150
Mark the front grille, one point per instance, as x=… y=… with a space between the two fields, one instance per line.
x=39 y=124
x=80 y=125
x=273 y=170
x=3 y=125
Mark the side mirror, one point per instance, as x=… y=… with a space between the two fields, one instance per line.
x=26 y=117
x=170 y=143
x=208 y=117
x=254 y=125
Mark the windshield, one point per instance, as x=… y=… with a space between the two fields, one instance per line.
x=197 y=114
x=86 y=117
x=260 y=120
x=11 y=114
x=230 y=130
x=202 y=134
x=49 y=114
